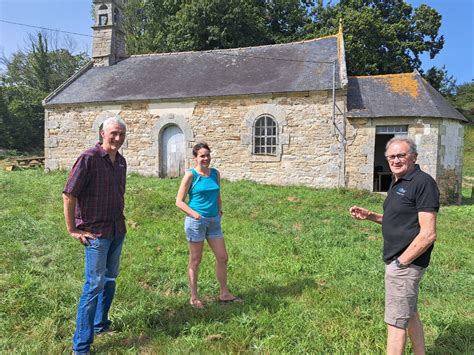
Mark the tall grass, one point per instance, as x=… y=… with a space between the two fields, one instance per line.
x=310 y=276
x=468 y=163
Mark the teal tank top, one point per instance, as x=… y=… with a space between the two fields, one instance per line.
x=204 y=193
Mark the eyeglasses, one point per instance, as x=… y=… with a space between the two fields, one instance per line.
x=401 y=156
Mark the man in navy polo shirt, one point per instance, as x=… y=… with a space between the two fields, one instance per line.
x=409 y=231
x=93 y=210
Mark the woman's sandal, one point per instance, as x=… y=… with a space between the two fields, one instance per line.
x=231 y=300
x=196 y=304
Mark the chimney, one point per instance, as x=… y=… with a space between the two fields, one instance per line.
x=109 y=37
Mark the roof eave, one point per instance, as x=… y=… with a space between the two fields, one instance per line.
x=355 y=115
x=187 y=98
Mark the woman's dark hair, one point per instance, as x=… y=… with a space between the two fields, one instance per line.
x=199 y=146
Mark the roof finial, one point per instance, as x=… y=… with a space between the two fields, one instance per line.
x=340 y=25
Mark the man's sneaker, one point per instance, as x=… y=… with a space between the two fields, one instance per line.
x=107 y=331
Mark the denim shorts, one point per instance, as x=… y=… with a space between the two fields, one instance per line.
x=401 y=293
x=204 y=228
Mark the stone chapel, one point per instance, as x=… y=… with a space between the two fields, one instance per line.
x=283 y=114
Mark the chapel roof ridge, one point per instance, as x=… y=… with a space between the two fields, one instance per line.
x=415 y=72
x=235 y=49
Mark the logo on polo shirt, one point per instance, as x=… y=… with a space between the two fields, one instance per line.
x=401 y=191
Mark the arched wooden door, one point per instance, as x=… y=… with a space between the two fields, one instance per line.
x=173 y=152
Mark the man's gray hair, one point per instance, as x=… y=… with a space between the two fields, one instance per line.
x=411 y=143
x=113 y=120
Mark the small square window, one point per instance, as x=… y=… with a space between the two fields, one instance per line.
x=392 y=129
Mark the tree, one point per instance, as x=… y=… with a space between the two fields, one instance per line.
x=463 y=100
x=288 y=20
x=4 y=120
x=39 y=67
x=30 y=75
x=147 y=24
x=203 y=25
x=381 y=36
x=23 y=123
x=178 y=25
x=441 y=81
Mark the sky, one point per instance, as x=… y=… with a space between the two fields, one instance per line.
x=75 y=16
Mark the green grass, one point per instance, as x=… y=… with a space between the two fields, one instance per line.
x=468 y=165
x=311 y=277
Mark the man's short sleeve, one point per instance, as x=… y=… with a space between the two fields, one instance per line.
x=78 y=177
x=427 y=199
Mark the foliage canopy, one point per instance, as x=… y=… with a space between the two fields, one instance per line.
x=381 y=36
x=464 y=100
x=30 y=75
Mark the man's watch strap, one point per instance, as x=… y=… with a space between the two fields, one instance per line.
x=400 y=265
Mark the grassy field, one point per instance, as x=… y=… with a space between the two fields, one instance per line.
x=468 y=164
x=311 y=277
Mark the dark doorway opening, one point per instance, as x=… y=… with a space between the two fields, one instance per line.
x=382 y=174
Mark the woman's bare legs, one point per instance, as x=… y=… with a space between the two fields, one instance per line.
x=195 y=257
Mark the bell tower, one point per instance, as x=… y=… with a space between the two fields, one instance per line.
x=109 y=37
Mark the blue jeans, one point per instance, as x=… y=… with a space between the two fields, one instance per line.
x=102 y=258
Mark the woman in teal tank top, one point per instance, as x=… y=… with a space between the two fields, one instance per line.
x=203 y=222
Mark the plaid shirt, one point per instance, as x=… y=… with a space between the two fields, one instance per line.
x=99 y=186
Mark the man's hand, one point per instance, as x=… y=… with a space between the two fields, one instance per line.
x=365 y=215
x=82 y=236
x=359 y=213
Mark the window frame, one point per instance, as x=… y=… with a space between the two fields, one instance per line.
x=264 y=147
x=397 y=130
x=278 y=114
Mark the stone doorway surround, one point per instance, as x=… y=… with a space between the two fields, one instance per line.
x=173 y=152
x=162 y=123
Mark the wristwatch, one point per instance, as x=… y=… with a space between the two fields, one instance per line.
x=399 y=264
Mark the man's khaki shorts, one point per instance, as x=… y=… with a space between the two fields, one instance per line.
x=401 y=293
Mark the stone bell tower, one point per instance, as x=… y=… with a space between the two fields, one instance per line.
x=109 y=37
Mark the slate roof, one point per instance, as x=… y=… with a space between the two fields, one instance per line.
x=397 y=95
x=291 y=67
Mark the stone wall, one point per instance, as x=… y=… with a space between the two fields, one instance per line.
x=310 y=153
x=450 y=160
x=439 y=151
x=102 y=44
x=360 y=153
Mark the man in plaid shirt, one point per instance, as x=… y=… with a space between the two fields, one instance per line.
x=93 y=210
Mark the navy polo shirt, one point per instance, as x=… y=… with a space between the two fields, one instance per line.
x=410 y=194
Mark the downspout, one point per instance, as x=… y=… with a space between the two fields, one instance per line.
x=344 y=83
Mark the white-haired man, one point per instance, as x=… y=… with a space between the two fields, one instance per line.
x=93 y=210
x=409 y=231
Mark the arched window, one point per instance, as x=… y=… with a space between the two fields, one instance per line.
x=265 y=136
x=103 y=17
x=265 y=133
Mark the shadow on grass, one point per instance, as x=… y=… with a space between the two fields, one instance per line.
x=456 y=339
x=466 y=201
x=270 y=297
x=175 y=322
